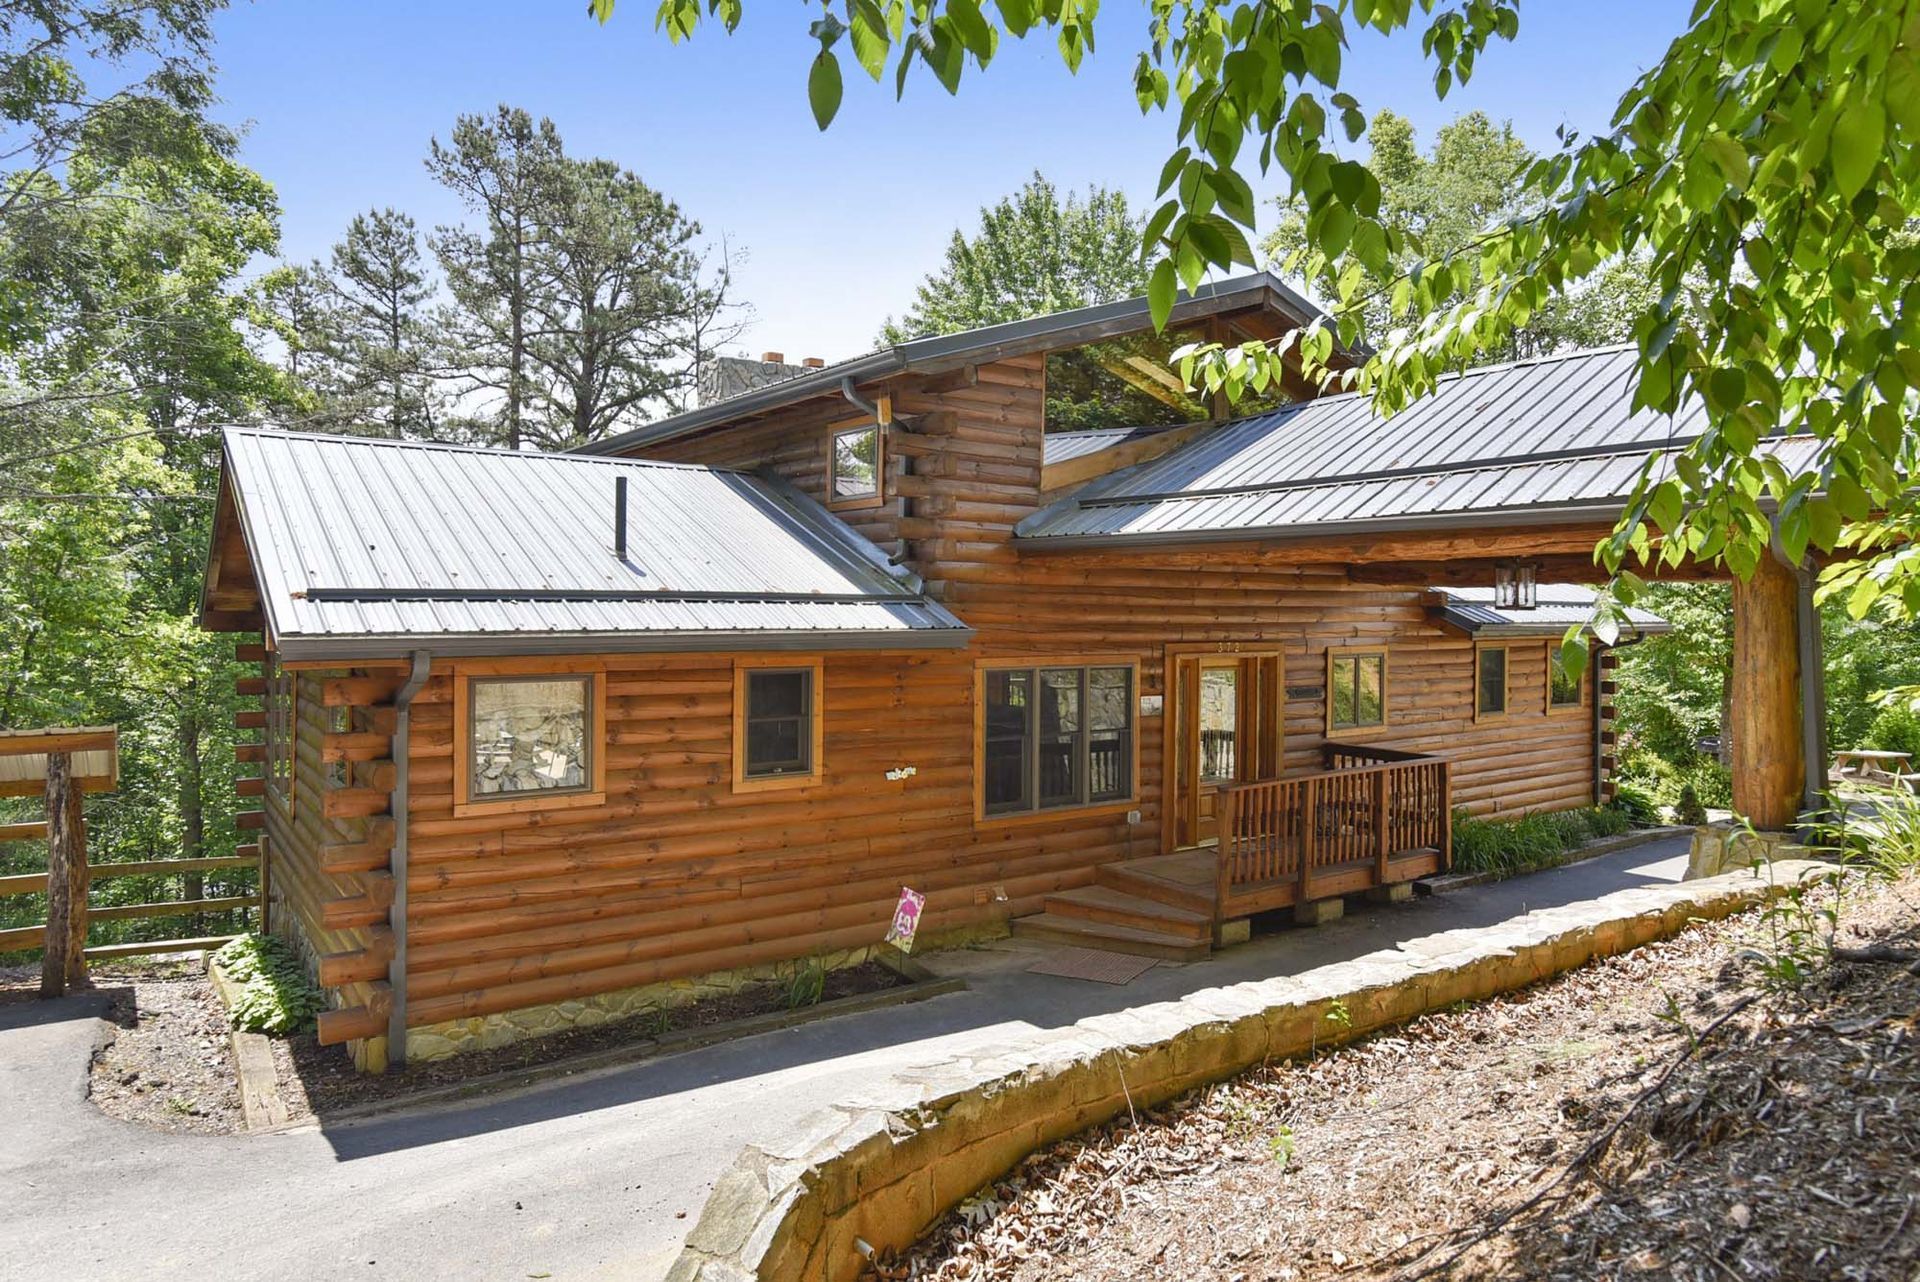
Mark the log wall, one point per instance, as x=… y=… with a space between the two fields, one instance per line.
x=679 y=875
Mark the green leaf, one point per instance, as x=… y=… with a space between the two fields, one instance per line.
x=1858 y=135
x=823 y=88
x=1162 y=287
x=870 y=41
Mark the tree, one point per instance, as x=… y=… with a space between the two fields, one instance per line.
x=1032 y=254
x=52 y=54
x=1764 y=171
x=1442 y=201
x=616 y=313
x=376 y=326
x=510 y=174
x=125 y=261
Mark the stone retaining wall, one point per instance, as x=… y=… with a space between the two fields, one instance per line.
x=877 y=1170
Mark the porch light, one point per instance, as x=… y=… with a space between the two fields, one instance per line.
x=1516 y=585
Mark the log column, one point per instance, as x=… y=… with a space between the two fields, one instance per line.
x=1769 y=754
x=63 y=963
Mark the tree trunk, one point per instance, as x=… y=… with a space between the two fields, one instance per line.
x=1769 y=761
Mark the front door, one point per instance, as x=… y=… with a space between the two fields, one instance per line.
x=1225 y=730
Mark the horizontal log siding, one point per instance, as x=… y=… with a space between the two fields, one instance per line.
x=299 y=888
x=678 y=875
x=794 y=445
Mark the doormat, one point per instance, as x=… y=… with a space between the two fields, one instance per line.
x=1093 y=963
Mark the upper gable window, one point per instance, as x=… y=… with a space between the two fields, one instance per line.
x=856 y=464
x=1131 y=381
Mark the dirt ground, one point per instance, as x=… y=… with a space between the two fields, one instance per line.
x=170 y=1064
x=1480 y=1142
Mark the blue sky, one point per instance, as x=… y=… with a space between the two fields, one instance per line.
x=341 y=97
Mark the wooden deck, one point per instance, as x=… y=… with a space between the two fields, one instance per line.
x=1374 y=818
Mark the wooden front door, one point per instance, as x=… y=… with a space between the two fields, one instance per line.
x=1225 y=729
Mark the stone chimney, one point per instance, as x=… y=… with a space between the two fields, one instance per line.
x=724 y=377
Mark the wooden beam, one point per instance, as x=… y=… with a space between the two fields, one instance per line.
x=353 y=746
x=350 y=1023
x=173 y=908
x=249 y=752
x=250 y=820
x=354 y=803
x=356 y=692
x=21 y=938
x=338 y=857
x=166 y=867
x=1769 y=758
x=63 y=961
x=358 y=965
x=31 y=830
x=158 y=947
x=14 y=743
x=249 y=786
x=250 y=652
x=26 y=883
x=249 y=686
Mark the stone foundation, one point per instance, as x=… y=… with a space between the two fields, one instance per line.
x=1730 y=847
x=486 y=1032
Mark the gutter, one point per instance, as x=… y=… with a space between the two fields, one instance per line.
x=397 y=859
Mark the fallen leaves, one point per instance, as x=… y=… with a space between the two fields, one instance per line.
x=1788 y=1148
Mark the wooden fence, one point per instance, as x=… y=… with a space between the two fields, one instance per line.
x=61 y=766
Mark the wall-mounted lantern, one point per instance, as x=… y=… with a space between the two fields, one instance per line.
x=1516 y=585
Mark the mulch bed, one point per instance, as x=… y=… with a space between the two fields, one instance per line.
x=170 y=1065
x=319 y=1080
x=1564 y=1132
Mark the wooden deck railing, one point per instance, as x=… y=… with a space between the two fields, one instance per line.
x=1356 y=825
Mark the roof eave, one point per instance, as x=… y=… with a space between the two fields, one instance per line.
x=989 y=343
x=1539 y=515
x=350 y=649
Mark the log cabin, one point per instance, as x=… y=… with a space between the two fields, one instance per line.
x=1006 y=617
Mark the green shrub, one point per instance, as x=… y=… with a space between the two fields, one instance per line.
x=1539 y=840
x=275 y=995
x=1688 y=808
x=1636 y=805
x=1896 y=728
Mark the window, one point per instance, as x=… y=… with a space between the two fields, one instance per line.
x=1356 y=689
x=856 y=464
x=1053 y=737
x=278 y=705
x=776 y=723
x=528 y=740
x=1565 y=690
x=1490 y=682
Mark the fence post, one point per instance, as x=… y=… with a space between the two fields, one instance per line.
x=1226 y=849
x=1309 y=832
x=63 y=960
x=1382 y=845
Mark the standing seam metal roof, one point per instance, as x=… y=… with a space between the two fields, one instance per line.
x=1560 y=606
x=1529 y=440
x=366 y=547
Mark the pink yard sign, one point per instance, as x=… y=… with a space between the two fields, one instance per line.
x=906 y=919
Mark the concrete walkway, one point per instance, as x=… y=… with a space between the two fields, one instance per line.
x=586 y=1177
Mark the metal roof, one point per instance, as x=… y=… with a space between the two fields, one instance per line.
x=1544 y=440
x=1058 y=447
x=992 y=342
x=1560 y=606
x=367 y=548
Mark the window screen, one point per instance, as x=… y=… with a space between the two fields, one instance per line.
x=779 y=725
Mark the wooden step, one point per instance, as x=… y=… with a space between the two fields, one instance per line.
x=1054 y=929
x=1117 y=908
x=1147 y=879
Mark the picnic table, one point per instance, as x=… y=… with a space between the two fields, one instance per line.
x=1872 y=763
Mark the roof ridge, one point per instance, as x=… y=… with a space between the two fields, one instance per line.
x=453 y=447
x=1121 y=498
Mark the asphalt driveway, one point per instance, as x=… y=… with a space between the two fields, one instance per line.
x=594 y=1176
